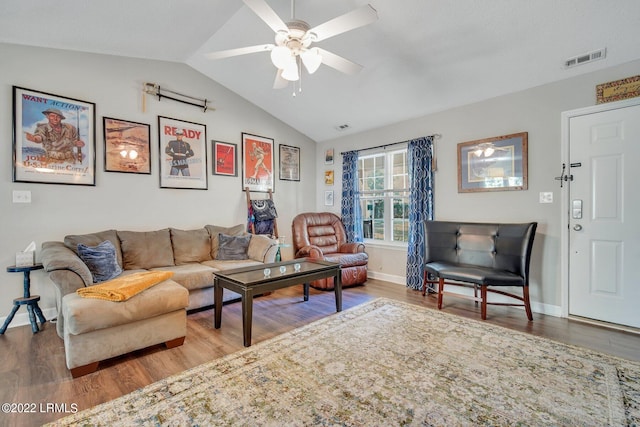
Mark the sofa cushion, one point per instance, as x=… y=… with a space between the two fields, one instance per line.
x=94 y=239
x=101 y=260
x=259 y=246
x=190 y=245
x=83 y=315
x=191 y=276
x=214 y=230
x=233 y=247
x=146 y=249
x=219 y=265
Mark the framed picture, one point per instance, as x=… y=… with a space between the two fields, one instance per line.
x=54 y=139
x=493 y=164
x=328 y=198
x=225 y=158
x=618 y=90
x=127 y=146
x=289 y=163
x=183 y=154
x=257 y=163
x=328 y=177
x=328 y=156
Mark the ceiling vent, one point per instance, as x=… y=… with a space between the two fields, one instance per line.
x=585 y=58
x=342 y=127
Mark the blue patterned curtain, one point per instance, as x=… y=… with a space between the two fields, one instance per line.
x=351 y=210
x=419 y=155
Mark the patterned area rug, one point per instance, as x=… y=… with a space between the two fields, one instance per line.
x=389 y=363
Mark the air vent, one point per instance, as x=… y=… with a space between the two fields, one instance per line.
x=586 y=58
x=342 y=127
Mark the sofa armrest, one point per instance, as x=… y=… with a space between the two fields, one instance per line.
x=310 y=251
x=351 y=248
x=262 y=248
x=55 y=257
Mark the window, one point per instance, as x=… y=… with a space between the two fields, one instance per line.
x=384 y=196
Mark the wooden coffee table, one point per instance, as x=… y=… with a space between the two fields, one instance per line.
x=256 y=280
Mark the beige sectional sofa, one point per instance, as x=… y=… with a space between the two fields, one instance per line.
x=95 y=330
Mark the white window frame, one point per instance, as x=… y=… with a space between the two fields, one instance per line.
x=388 y=195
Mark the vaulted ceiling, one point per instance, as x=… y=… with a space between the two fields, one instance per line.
x=419 y=57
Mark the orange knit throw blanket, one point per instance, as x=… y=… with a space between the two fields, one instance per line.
x=124 y=287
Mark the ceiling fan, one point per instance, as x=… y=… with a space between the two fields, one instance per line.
x=293 y=41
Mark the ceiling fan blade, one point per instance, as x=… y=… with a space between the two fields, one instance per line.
x=239 y=51
x=356 y=18
x=338 y=62
x=264 y=12
x=280 y=82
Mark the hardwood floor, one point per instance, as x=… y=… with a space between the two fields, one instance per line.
x=33 y=370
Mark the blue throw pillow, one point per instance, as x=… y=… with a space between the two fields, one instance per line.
x=233 y=247
x=101 y=260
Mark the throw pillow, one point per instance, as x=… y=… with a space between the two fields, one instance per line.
x=233 y=247
x=93 y=239
x=101 y=260
x=215 y=230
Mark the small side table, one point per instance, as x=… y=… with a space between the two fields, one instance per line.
x=31 y=301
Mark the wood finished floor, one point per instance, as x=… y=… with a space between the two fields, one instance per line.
x=33 y=371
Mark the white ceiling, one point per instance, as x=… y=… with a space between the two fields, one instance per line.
x=420 y=57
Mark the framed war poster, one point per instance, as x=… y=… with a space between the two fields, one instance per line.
x=54 y=139
x=183 y=154
x=257 y=163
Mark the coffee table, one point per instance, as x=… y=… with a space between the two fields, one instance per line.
x=254 y=280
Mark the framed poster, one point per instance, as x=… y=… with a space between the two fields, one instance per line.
x=257 y=163
x=183 y=154
x=225 y=158
x=328 y=156
x=493 y=164
x=289 y=163
x=127 y=146
x=328 y=177
x=54 y=139
x=328 y=198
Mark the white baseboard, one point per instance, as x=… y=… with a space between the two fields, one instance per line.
x=22 y=317
x=400 y=280
x=536 y=307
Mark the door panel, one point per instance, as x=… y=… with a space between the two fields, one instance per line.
x=604 y=243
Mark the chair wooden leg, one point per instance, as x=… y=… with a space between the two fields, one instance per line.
x=527 y=302
x=424 y=282
x=483 y=303
x=440 y=292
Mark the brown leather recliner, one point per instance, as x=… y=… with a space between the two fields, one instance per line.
x=322 y=235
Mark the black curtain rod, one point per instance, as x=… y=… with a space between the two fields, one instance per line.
x=434 y=136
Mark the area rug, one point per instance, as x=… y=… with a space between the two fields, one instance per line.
x=388 y=363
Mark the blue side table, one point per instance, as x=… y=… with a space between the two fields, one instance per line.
x=31 y=301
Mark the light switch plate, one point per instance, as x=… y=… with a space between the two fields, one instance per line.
x=546 y=197
x=21 y=196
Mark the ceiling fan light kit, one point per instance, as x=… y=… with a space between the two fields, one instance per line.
x=294 y=38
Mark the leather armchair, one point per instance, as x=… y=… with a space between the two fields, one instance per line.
x=321 y=235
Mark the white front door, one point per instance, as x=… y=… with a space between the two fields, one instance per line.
x=604 y=215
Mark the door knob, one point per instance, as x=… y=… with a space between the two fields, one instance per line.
x=577 y=227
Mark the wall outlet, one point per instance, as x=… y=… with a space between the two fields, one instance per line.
x=546 y=197
x=21 y=196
